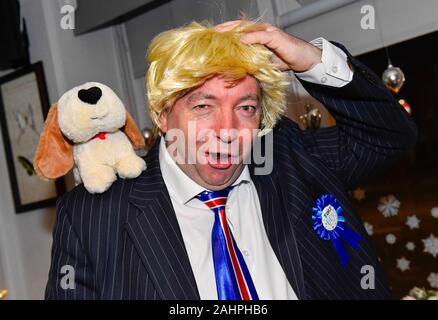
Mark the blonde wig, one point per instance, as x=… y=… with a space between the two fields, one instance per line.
x=182 y=59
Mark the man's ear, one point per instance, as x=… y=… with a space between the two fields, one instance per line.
x=54 y=154
x=162 y=118
x=133 y=133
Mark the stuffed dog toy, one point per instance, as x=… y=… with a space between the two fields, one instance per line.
x=88 y=130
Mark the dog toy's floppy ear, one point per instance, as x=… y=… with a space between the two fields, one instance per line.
x=54 y=155
x=133 y=133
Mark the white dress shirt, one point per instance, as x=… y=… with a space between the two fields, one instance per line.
x=243 y=210
x=333 y=71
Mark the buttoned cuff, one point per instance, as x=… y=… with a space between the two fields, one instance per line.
x=333 y=70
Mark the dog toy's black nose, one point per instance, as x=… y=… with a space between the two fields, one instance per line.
x=91 y=95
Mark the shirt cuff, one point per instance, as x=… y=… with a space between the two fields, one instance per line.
x=333 y=71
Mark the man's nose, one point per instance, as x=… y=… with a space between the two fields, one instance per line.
x=226 y=126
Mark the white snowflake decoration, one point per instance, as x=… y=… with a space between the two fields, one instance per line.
x=434 y=212
x=389 y=206
x=433 y=280
x=413 y=222
x=369 y=228
x=431 y=245
x=403 y=264
x=391 y=238
x=410 y=246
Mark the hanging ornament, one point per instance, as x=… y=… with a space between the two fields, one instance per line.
x=405 y=105
x=393 y=78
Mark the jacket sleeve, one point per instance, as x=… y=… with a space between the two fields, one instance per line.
x=70 y=276
x=372 y=129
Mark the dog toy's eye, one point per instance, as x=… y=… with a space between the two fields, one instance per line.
x=91 y=95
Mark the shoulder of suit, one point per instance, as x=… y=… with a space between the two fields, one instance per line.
x=287 y=132
x=80 y=199
x=285 y=122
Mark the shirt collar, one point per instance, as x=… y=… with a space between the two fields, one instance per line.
x=181 y=186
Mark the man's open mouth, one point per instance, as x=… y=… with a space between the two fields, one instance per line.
x=220 y=160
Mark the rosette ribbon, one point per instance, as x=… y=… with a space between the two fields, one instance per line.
x=329 y=224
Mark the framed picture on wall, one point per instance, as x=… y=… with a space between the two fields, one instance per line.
x=23 y=107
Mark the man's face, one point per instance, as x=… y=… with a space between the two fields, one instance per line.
x=215 y=117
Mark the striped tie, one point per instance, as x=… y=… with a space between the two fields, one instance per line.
x=233 y=281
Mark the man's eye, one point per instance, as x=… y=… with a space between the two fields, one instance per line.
x=201 y=107
x=248 y=108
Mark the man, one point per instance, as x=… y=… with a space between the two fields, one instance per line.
x=214 y=228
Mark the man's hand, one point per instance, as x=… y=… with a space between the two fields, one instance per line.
x=290 y=53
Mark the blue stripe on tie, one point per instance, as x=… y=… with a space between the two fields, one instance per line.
x=223 y=266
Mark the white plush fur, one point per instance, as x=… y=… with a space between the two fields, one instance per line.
x=80 y=121
x=98 y=161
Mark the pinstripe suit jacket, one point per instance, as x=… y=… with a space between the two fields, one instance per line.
x=126 y=242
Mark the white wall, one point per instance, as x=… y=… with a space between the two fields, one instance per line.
x=398 y=20
x=25 y=239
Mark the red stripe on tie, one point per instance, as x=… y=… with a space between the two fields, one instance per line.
x=216 y=202
x=238 y=271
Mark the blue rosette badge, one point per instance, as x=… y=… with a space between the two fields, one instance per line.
x=329 y=224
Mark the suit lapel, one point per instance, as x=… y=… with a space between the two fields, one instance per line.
x=157 y=236
x=278 y=224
